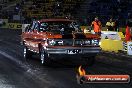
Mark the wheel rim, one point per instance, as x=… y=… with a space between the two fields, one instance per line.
x=25 y=52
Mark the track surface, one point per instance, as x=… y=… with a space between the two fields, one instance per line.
x=16 y=72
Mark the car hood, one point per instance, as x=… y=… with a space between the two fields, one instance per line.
x=72 y=36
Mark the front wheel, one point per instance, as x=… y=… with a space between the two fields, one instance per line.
x=43 y=57
x=26 y=53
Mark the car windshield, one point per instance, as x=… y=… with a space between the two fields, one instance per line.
x=59 y=26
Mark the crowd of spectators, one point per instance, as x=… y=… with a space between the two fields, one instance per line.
x=52 y=8
x=117 y=9
x=105 y=9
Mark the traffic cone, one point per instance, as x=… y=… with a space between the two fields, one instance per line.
x=128 y=34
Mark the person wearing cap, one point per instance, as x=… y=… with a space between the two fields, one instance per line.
x=96 y=24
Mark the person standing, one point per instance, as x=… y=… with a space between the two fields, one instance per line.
x=96 y=24
x=110 y=25
x=128 y=34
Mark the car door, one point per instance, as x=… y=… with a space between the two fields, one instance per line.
x=35 y=37
x=29 y=35
x=26 y=34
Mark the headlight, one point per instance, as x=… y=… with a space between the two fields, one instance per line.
x=52 y=42
x=55 y=42
x=95 y=42
x=87 y=42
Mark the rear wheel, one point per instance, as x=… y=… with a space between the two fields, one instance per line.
x=26 y=53
x=43 y=57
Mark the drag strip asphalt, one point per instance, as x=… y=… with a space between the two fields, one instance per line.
x=16 y=72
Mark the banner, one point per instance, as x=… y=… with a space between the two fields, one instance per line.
x=14 y=26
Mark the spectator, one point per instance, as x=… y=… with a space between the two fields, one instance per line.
x=96 y=24
x=110 y=25
x=128 y=34
x=17 y=7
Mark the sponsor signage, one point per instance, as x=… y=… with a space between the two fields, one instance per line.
x=83 y=78
x=14 y=26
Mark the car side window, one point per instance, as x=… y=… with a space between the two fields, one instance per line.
x=33 y=26
x=36 y=27
x=27 y=28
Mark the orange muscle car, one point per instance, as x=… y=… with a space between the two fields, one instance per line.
x=59 y=38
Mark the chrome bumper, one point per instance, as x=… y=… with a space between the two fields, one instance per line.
x=78 y=50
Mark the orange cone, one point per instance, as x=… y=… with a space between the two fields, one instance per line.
x=128 y=34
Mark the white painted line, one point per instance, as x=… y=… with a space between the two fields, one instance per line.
x=10 y=57
x=26 y=67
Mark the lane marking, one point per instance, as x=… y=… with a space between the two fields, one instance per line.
x=28 y=69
